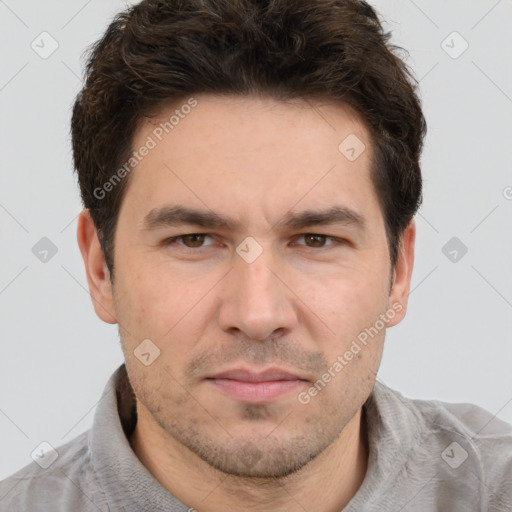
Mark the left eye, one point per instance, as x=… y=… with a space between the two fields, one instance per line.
x=191 y=241
x=316 y=241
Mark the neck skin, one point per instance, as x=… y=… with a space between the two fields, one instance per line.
x=326 y=484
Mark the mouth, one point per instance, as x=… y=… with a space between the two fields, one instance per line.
x=256 y=387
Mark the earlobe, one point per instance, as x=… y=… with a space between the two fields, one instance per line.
x=98 y=275
x=402 y=273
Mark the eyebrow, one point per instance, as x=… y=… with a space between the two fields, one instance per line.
x=169 y=216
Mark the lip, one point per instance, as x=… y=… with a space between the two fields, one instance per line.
x=256 y=387
x=270 y=374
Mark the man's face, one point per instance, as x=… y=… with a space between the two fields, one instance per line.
x=289 y=298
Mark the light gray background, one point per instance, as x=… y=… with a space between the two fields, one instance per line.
x=455 y=343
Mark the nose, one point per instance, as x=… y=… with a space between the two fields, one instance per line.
x=256 y=301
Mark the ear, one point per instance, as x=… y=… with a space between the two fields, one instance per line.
x=399 y=292
x=98 y=275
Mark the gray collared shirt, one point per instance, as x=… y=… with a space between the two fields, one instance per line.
x=424 y=456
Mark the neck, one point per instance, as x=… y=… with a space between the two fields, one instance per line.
x=325 y=484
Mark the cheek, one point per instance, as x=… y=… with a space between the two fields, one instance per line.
x=348 y=301
x=140 y=301
x=158 y=306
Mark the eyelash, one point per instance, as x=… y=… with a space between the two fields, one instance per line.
x=175 y=239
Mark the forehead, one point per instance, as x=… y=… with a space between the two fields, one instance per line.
x=240 y=150
x=241 y=124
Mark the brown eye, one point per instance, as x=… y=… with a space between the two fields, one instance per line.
x=190 y=241
x=193 y=240
x=315 y=240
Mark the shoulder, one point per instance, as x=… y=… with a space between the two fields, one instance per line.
x=63 y=479
x=489 y=434
x=469 y=440
x=491 y=439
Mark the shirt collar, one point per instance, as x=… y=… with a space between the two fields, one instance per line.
x=393 y=428
x=128 y=485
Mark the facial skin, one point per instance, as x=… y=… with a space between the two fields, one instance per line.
x=296 y=307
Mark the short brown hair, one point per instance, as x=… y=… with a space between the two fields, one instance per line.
x=161 y=50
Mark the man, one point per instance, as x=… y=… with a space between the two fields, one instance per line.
x=250 y=174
